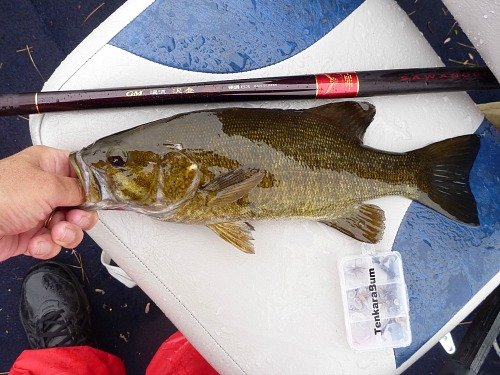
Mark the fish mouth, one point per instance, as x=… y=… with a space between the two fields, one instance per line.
x=86 y=177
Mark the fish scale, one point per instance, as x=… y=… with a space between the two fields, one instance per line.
x=324 y=182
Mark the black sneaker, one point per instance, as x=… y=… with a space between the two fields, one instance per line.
x=54 y=309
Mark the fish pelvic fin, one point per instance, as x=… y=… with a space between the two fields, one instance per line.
x=237 y=234
x=231 y=186
x=443 y=179
x=353 y=118
x=364 y=223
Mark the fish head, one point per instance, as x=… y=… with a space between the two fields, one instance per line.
x=121 y=174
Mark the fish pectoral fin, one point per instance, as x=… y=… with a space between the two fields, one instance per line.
x=237 y=234
x=231 y=186
x=352 y=118
x=365 y=223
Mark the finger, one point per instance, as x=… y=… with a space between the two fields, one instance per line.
x=84 y=219
x=41 y=245
x=63 y=188
x=57 y=216
x=9 y=247
x=67 y=235
x=67 y=192
x=52 y=160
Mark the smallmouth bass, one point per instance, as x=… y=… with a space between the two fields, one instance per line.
x=224 y=168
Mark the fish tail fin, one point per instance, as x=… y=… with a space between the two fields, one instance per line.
x=443 y=179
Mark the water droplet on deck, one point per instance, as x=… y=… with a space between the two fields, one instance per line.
x=170 y=44
x=200 y=41
x=188 y=61
x=238 y=61
x=288 y=49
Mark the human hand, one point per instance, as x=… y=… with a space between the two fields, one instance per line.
x=37 y=190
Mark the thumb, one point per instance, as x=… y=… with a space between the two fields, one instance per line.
x=68 y=192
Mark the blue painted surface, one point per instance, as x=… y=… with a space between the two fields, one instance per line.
x=446 y=262
x=226 y=36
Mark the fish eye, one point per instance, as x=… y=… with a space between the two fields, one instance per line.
x=117 y=157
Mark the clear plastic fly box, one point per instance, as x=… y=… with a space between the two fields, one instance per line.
x=375 y=301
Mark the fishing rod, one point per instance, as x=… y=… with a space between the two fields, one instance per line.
x=313 y=86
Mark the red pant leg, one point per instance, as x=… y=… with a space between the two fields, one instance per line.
x=74 y=360
x=176 y=356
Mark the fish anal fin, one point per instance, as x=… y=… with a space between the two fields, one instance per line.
x=352 y=118
x=237 y=234
x=364 y=223
x=231 y=186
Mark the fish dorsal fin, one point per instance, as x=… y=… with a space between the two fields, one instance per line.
x=353 y=118
x=237 y=234
x=231 y=186
x=365 y=223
